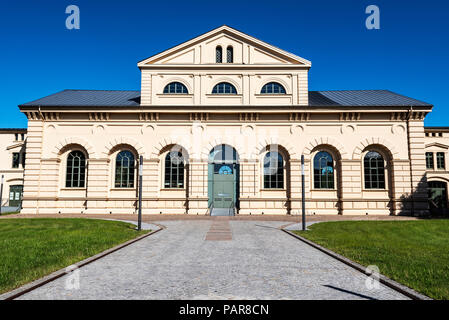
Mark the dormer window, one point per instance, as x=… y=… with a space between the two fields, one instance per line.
x=273 y=88
x=175 y=88
x=224 y=88
x=229 y=55
x=218 y=55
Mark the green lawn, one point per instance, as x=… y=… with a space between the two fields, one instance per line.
x=32 y=248
x=414 y=253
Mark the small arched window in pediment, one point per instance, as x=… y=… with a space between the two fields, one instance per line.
x=224 y=88
x=229 y=55
x=218 y=54
x=175 y=88
x=273 y=88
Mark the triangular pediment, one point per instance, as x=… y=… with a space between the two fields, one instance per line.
x=438 y=145
x=247 y=50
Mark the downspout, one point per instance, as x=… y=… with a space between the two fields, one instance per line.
x=410 y=159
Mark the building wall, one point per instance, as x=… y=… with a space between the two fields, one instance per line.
x=11 y=141
x=50 y=141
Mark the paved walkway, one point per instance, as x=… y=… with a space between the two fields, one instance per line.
x=258 y=262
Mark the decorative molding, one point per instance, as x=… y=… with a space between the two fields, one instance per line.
x=357 y=153
x=315 y=142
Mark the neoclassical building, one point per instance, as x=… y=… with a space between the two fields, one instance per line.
x=221 y=122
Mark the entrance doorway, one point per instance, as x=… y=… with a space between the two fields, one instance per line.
x=223 y=178
x=15 y=196
x=438 y=196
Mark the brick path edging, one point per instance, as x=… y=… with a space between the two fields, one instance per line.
x=382 y=279
x=61 y=272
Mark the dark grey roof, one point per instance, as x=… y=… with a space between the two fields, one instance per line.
x=117 y=98
x=363 y=98
x=18 y=130
x=89 y=98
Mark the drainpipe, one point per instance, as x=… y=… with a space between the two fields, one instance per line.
x=410 y=158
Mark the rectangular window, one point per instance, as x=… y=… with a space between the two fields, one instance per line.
x=22 y=136
x=440 y=160
x=15 y=159
x=429 y=160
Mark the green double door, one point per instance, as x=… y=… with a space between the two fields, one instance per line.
x=223 y=190
x=223 y=185
x=15 y=196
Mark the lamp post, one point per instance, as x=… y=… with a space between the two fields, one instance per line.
x=1 y=194
x=303 y=183
x=139 y=221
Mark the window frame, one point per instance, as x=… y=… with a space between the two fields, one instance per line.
x=179 y=172
x=176 y=83
x=130 y=183
x=276 y=182
x=442 y=165
x=80 y=185
x=233 y=88
x=272 y=83
x=229 y=51
x=430 y=158
x=322 y=188
x=385 y=172
x=218 y=50
x=15 y=162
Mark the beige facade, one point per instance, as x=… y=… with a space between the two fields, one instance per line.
x=12 y=145
x=253 y=121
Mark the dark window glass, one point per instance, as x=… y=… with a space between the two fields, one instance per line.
x=23 y=160
x=440 y=160
x=224 y=88
x=273 y=88
x=16 y=136
x=323 y=171
x=218 y=55
x=76 y=170
x=273 y=171
x=22 y=135
x=15 y=159
x=429 y=160
x=229 y=55
x=175 y=88
x=174 y=170
x=374 y=170
x=124 y=170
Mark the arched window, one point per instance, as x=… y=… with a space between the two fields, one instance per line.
x=218 y=55
x=224 y=88
x=273 y=171
x=229 y=55
x=374 y=170
x=323 y=171
x=174 y=170
x=273 y=88
x=175 y=88
x=124 y=170
x=76 y=170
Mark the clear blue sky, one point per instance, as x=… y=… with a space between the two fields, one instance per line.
x=39 y=56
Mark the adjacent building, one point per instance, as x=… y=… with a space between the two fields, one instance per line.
x=219 y=126
x=12 y=164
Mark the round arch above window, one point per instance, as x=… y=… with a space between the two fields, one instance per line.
x=273 y=88
x=175 y=88
x=224 y=88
